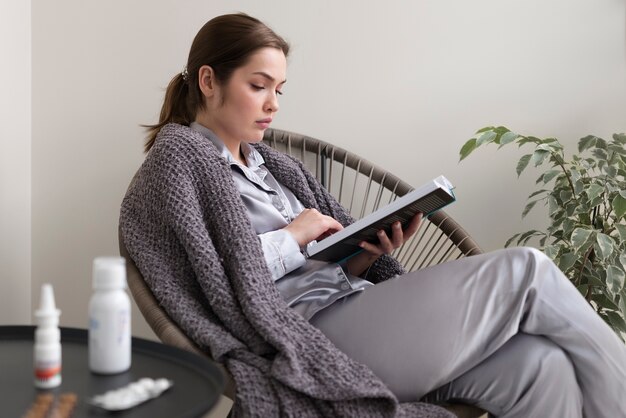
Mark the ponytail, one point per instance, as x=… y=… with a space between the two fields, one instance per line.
x=175 y=109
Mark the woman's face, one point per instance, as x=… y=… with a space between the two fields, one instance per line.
x=243 y=108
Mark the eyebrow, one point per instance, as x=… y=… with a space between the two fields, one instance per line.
x=269 y=77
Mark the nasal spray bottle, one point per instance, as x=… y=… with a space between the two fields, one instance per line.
x=47 y=352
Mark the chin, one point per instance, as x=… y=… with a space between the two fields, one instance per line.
x=256 y=137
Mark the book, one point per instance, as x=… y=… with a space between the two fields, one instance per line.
x=343 y=244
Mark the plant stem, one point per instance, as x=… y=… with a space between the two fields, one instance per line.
x=582 y=267
x=560 y=161
x=588 y=295
x=594 y=214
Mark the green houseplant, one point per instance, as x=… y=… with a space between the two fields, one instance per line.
x=586 y=201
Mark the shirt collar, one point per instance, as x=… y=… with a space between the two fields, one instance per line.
x=252 y=156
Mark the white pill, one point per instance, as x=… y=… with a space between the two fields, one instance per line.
x=146 y=383
x=161 y=384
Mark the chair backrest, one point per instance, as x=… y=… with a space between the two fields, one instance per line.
x=362 y=187
x=359 y=186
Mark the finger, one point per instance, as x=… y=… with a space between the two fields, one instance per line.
x=335 y=225
x=413 y=226
x=397 y=235
x=384 y=243
x=371 y=248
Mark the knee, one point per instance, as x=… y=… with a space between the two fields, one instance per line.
x=550 y=372
x=530 y=264
x=529 y=254
x=557 y=377
x=556 y=366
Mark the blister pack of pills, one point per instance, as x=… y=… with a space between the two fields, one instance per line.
x=132 y=394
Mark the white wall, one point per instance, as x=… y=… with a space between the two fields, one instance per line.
x=15 y=162
x=402 y=83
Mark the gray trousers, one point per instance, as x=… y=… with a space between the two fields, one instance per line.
x=505 y=331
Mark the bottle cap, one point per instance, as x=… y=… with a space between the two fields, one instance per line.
x=47 y=314
x=109 y=273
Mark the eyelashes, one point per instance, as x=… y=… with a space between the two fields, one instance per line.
x=259 y=88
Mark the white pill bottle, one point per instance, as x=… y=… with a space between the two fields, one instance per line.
x=109 y=317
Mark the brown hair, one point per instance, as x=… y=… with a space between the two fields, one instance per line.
x=225 y=43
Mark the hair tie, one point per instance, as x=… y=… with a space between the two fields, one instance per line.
x=185 y=73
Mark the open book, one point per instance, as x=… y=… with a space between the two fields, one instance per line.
x=426 y=199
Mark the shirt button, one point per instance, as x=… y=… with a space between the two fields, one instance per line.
x=345 y=286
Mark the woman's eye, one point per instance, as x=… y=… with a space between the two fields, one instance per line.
x=257 y=87
x=279 y=92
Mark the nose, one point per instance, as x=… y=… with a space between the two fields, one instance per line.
x=271 y=105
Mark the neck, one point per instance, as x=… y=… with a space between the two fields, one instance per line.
x=233 y=146
x=239 y=156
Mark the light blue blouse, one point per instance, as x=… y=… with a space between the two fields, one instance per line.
x=307 y=285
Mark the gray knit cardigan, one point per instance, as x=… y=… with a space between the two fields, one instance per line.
x=186 y=228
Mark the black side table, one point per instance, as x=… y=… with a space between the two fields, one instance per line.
x=198 y=382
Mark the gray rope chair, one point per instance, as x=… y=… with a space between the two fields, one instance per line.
x=359 y=186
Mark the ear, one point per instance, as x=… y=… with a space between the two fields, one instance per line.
x=206 y=81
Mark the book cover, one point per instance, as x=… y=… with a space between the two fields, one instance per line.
x=426 y=199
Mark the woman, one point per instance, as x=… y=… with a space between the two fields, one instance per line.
x=217 y=223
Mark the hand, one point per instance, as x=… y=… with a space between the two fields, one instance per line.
x=311 y=225
x=360 y=262
x=398 y=237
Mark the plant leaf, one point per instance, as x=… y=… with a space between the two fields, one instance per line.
x=567 y=261
x=486 y=138
x=508 y=137
x=539 y=155
x=622 y=303
x=580 y=237
x=528 y=207
x=523 y=163
x=621 y=229
x=538 y=192
x=467 y=148
x=620 y=138
x=617 y=321
x=485 y=129
x=553 y=204
x=605 y=245
x=579 y=186
x=600 y=154
x=510 y=240
x=550 y=175
x=619 y=205
x=594 y=190
x=619 y=149
x=602 y=300
x=610 y=171
x=586 y=142
x=523 y=239
x=622 y=259
x=551 y=251
x=565 y=196
x=595 y=281
x=615 y=279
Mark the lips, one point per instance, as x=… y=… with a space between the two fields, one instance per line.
x=264 y=123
